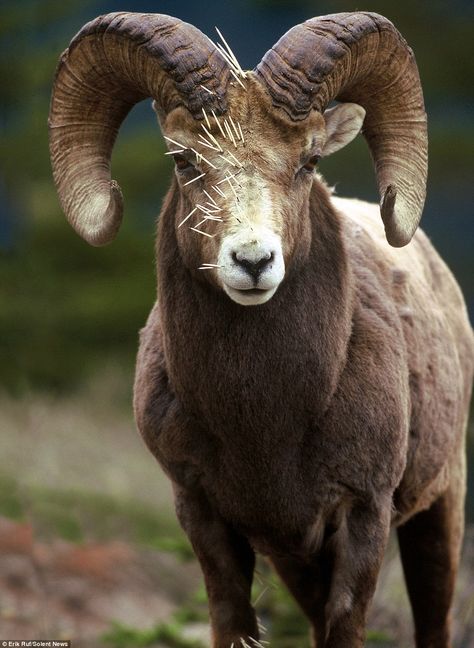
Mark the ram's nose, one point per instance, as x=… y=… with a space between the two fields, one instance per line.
x=251 y=265
x=254 y=263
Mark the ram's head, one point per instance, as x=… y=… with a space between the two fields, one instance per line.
x=245 y=144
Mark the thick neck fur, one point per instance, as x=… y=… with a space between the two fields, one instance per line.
x=267 y=371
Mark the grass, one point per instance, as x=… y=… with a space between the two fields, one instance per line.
x=82 y=474
x=76 y=516
x=170 y=634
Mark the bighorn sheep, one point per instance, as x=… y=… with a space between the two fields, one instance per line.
x=304 y=384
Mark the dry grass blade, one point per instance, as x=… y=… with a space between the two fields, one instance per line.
x=209 y=217
x=204 y=142
x=241 y=133
x=219 y=191
x=206 y=118
x=217 y=219
x=237 y=78
x=208 y=162
x=226 y=56
x=233 y=66
x=219 y=124
x=211 y=137
x=226 y=159
x=256 y=643
x=183 y=146
x=200 y=157
x=234 y=178
x=207 y=89
x=229 y=132
x=231 y=54
x=201 y=232
x=261 y=627
x=207 y=210
x=239 y=163
x=175 y=152
x=194 y=179
x=188 y=216
x=232 y=123
x=262 y=594
x=210 y=198
x=229 y=180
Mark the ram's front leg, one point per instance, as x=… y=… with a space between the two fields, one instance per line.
x=227 y=562
x=358 y=548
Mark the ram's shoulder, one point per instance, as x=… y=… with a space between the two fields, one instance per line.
x=365 y=236
x=414 y=278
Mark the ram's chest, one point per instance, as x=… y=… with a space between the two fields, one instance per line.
x=277 y=493
x=252 y=454
x=277 y=446
x=278 y=506
x=281 y=475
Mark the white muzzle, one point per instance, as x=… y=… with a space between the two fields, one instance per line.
x=251 y=265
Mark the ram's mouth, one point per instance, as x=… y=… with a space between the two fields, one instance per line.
x=250 y=296
x=252 y=291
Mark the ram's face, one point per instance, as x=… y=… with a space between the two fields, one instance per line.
x=245 y=179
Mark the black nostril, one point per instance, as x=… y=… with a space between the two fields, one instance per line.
x=254 y=268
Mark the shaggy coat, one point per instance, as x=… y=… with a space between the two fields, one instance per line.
x=304 y=384
x=306 y=425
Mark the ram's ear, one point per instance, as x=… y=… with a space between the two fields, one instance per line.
x=343 y=123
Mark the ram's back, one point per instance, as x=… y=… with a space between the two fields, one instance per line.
x=420 y=281
x=438 y=340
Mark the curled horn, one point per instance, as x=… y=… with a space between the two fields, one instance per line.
x=362 y=58
x=115 y=61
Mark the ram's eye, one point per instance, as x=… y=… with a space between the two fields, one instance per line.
x=311 y=164
x=182 y=163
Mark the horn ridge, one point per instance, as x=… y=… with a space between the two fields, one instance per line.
x=113 y=62
x=360 y=57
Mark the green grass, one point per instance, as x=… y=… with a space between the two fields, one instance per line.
x=379 y=639
x=10 y=499
x=76 y=515
x=168 y=634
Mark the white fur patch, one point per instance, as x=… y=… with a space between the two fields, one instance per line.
x=251 y=239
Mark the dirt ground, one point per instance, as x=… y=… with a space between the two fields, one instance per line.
x=51 y=587
x=75 y=591
x=69 y=591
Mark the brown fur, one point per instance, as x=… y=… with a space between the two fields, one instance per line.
x=305 y=427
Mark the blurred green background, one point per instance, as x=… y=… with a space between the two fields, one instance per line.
x=69 y=313
x=65 y=307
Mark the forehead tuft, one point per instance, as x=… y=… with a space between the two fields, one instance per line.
x=254 y=109
x=273 y=143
